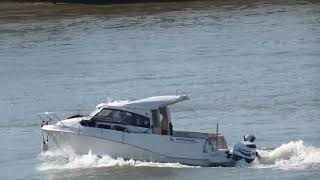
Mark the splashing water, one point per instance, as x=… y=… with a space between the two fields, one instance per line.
x=293 y=155
x=58 y=159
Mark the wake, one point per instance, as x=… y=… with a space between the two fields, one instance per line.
x=59 y=160
x=291 y=156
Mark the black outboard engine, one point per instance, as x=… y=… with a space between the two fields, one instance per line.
x=245 y=149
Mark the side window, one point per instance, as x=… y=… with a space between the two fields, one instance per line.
x=155 y=121
x=117 y=116
x=104 y=115
x=122 y=117
x=130 y=119
x=142 y=121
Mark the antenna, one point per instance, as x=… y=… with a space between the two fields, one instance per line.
x=217 y=131
x=178 y=91
x=181 y=92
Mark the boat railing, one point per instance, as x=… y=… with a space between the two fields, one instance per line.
x=215 y=141
x=50 y=118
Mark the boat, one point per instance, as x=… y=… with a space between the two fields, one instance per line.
x=142 y=130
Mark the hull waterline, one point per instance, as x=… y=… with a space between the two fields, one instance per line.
x=82 y=144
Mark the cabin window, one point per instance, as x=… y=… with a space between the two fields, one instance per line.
x=155 y=121
x=164 y=121
x=121 y=117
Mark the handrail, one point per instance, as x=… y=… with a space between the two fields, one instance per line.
x=50 y=118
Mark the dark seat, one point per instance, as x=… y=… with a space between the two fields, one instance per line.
x=119 y=128
x=87 y=123
x=104 y=126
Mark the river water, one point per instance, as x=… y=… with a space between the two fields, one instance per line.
x=252 y=66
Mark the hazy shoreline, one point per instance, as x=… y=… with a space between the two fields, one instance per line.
x=159 y=1
x=22 y=9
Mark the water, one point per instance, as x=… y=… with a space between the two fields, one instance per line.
x=253 y=66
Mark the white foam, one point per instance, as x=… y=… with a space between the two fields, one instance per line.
x=293 y=155
x=58 y=159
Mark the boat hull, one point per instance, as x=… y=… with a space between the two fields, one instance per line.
x=123 y=145
x=82 y=144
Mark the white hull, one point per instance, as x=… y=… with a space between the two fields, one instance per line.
x=138 y=146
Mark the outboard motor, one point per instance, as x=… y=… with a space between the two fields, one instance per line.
x=245 y=149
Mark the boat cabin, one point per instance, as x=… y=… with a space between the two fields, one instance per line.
x=150 y=115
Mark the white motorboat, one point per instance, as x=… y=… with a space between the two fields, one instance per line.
x=142 y=130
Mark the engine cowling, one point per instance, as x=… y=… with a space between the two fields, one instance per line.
x=245 y=149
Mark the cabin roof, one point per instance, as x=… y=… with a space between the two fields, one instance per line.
x=150 y=103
